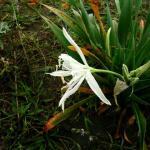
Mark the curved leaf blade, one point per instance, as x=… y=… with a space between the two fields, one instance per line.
x=124 y=22
x=64 y=115
x=141 y=124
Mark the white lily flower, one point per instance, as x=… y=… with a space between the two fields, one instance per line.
x=79 y=72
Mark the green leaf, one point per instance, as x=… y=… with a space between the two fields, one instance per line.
x=64 y=115
x=138 y=100
x=118 y=6
x=73 y=3
x=107 y=46
x=144 y=39
x=89 y=26
x=125 y=22
x=110 y=25
x=147 y=21
x=137 y=6
x=141 y=124
x=141 y=56
x=74 y=25
x=121 y=4
x=58 y=32
x=142 y=84
x=130 y=54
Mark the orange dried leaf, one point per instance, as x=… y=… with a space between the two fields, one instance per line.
x=95 y=4
x=87 y=90
x=82 y=109
x=32 y=2
x=118 y=128
x=102 y=108
x=64 y=114
x=88 y=46
x=65 y=5
x=49 y=124
x=130 y=122
x=84 y=51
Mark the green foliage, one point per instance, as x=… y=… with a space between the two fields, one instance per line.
x=119 y=49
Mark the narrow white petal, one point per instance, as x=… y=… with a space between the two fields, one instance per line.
x=71 y=83
x=69 y=38
x=70 y=92
x=95 y=87
x=60 y=73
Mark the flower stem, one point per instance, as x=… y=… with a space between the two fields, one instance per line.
x=107 y=71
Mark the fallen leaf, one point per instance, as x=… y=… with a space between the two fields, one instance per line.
x=82 y=109
x=102 y=108
x=116 y=136
x=130 y=122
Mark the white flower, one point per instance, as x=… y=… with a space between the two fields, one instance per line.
x=79 y=72
x=91 y=138
x=82 y=132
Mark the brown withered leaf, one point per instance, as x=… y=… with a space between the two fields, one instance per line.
x=130 y=122
x=64 y=114
x=65 y=5
x=88 y=90
x=84 y=51
x=116 y=136
x=88 y=46
x=119 y=87
x=102 y=108
x=82 y=109
x=95 y=4
x=49 y=124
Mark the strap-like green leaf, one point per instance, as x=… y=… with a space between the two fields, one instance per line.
x=137 y=6
x=142 y=84
x=121 y=4
x=147 y=21
x=118 y=6
x=138 y=100
x=141 y=56
x=141 y=124
x=64 y=115
x=89 y=26
x=130 y=52
x=73 y=3
x=59 y=34
x=110 y=25
x=107 y=46
x=125 y=22
x=70 y=22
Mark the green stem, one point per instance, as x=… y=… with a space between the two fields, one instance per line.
x=107 y=71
